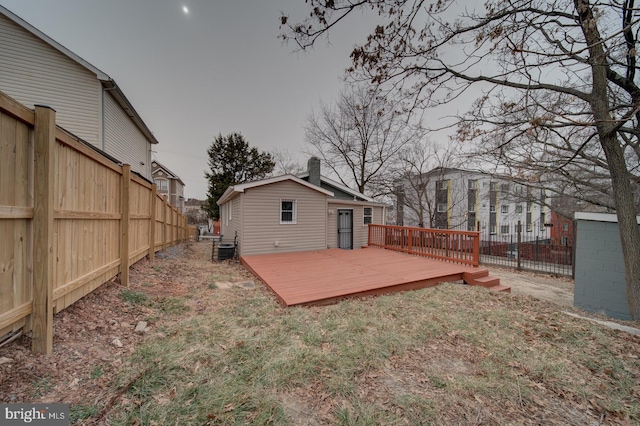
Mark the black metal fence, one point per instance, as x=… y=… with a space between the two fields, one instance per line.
x=534 y=247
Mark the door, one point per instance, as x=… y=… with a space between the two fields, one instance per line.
x=345 y=229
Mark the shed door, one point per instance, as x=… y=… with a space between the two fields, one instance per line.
x=345 y=229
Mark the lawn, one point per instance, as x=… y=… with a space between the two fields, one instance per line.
x=229 y=354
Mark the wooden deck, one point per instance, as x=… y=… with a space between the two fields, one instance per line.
x=326 y=276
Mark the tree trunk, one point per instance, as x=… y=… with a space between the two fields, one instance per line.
x=627 y=221
x=620 y=177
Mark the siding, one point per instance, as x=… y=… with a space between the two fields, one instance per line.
x=360 y=230
x=262 y=228
x=600 y=284
x=123 y=139
x=32 y=72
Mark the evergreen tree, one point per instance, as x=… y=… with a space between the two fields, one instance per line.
x=232 y=161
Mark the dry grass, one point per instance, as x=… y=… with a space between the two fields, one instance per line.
x=452 y=354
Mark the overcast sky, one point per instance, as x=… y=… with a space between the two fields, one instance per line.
x=219 y=68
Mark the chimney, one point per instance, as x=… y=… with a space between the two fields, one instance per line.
x=313 y=167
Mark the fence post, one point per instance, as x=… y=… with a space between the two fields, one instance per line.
x=124 y=225
x=164 y=223
x=152 y=226
x=476 y=250
x=519 y=241
x=42 y=316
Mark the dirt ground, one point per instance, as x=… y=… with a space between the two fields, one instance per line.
x=558 y=290
x=94 y=336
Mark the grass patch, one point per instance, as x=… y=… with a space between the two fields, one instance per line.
x=82 y=412
x=97 y=372
x=438 y=355
x=171 y=305
x=134 y=297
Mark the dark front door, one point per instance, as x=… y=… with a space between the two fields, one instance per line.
x=345 y=229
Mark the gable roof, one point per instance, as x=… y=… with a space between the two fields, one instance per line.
x=339 y=187
x=106 y=81
x=169 y=173
x=234 y=190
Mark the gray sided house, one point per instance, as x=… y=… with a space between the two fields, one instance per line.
x=35 y=69
x=169 y=184
x=287 y=214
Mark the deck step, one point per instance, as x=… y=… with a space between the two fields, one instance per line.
x=502 y=288
x=479 y=273
x=487 y=281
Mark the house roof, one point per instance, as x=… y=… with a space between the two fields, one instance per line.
x=234 y=190
x=106 y=81
x=169 y=173
x=339 y=187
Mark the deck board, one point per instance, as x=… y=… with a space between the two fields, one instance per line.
x=326 y=276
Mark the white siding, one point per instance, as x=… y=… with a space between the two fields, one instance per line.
x=261 y=219
x=32 y=72
x=360 y=231
x=123 y=139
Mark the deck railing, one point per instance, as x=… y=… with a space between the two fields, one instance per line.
x=443 y=244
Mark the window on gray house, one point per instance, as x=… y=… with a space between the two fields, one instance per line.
x=368 y=215
x=287 y=211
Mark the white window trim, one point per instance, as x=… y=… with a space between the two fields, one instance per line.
x=294 y=211
x=159 y=183
x=364 y=215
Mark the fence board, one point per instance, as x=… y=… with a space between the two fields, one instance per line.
x=71 y=216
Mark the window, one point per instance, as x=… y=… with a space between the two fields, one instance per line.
x=519 y=208
x=472 y=208
x=492 y=229
x=504 y=187
x=504 y=209
x=473 y=184
x=565 y=226
x=288 y=211
x=163 y=184
x=442 y=207
x=504 y=229
x=564 y=241
x=443 y=185
x=492 y=208
x=493 y=186
x=367 y=215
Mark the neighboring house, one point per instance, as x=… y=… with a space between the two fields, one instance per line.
x=561 y=230
x=35 y=69
x=462 y=199
x=193 y=211
x=297 y=213
x=168 y=184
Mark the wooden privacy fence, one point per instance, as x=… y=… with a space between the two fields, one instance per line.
x=443 y=244
x=70 y=220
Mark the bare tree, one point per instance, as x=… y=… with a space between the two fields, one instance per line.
x=286 y=163
x=420 y=167
x=571 y=64
x=359 y=137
